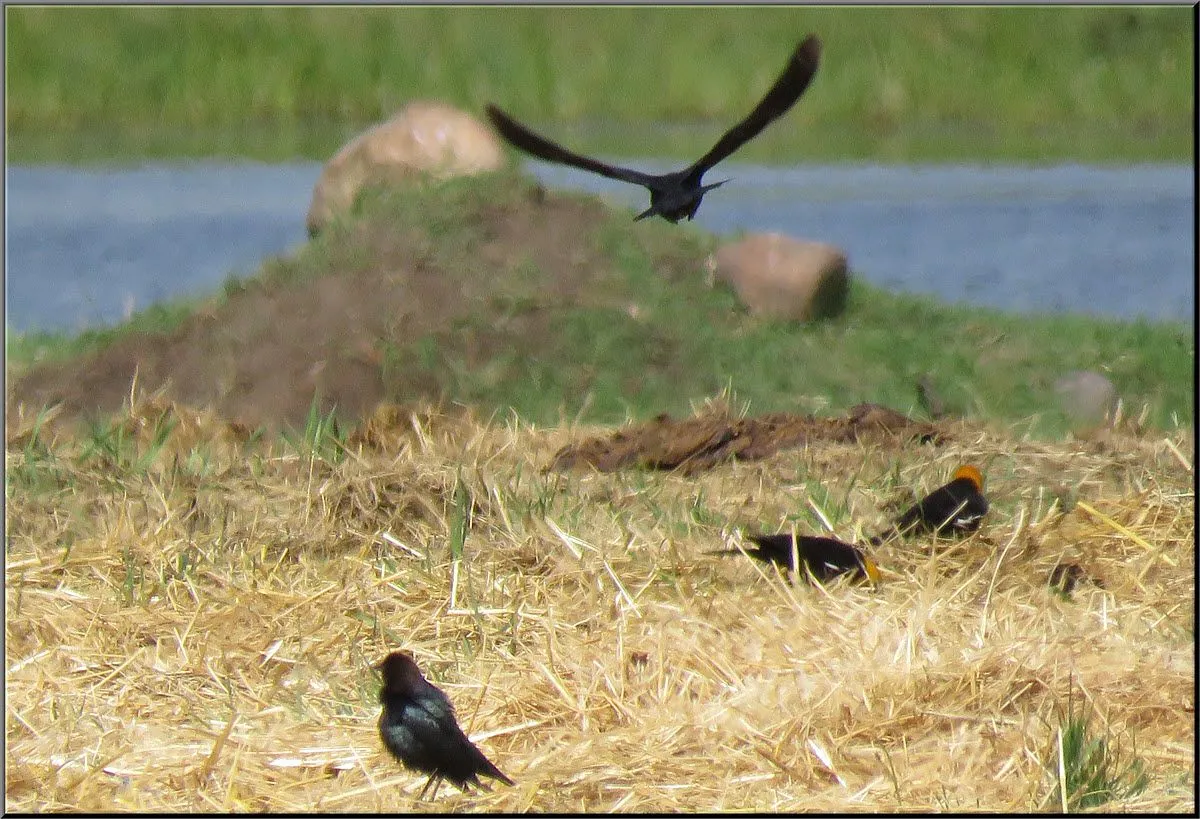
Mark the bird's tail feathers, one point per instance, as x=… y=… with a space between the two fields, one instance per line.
x=494 y=773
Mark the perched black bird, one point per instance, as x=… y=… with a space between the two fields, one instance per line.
x=676 y=195
x=419 y=727
x=824 y=557
x=956 y=508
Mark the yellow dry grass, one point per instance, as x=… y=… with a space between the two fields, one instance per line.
x=195 y=632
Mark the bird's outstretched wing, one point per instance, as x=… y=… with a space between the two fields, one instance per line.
x=782 y=96
x=526 y=140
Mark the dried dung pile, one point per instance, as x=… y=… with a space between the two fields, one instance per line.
x=714 y=437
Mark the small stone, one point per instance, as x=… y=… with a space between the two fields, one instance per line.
x=1088 y=398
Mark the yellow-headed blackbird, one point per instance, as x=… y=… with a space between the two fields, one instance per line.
x=418 y=726
x=955 y=508
x=677 y=195
x=824 y=557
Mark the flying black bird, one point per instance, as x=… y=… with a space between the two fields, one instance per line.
x=956 y=508
x=419 y=727
x=824 y=557
x=676 y=195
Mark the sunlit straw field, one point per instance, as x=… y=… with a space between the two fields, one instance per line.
x=191 y=620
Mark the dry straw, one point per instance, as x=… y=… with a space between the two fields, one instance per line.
x=191 y=626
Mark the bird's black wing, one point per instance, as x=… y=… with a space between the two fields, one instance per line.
x=526 y=140
x=458 y=758
x=782 y=96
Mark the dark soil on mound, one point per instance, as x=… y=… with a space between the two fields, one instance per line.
x=260 y=354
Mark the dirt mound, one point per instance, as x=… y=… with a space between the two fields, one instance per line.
x=448 y=294
x=324 y=322
x=703 y=441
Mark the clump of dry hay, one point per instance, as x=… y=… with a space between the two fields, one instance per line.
x=192 y=628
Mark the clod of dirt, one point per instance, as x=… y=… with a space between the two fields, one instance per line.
x=714 y=437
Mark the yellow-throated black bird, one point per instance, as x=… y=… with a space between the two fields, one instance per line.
x=824 y=557
x=676 y=195
x=418 y=726
x=956 y=508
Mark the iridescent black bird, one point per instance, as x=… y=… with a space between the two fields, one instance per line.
x=956 y=508
x=824 y=557
x=676 y=195
x=419 y=727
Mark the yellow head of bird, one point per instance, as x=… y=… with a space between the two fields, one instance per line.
x=972 y=474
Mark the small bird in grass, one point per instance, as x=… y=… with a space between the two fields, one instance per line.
x=956 y=508
x=824 y=557
x=676 y=195
x=418 y=726
x=1066 y=577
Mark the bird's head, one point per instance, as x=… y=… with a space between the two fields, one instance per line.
x=972 y=474
x=400 y=673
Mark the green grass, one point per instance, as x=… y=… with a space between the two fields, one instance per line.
x=895 y=83
x=38 y=472
x=610 y=366
x=116 y=447
x=322 y=439
x=1088 y=770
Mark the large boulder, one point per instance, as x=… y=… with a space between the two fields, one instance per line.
x=778 y=276
x=423 y=137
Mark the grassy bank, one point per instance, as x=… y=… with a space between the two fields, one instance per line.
x=564 y=309
x=895 y=83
